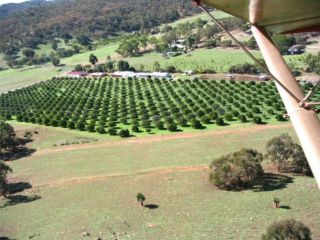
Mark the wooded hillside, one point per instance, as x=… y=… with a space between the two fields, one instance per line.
x=91 y=18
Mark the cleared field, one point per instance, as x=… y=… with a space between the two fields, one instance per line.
x=216 y=59
x=93 y=190
x=16 y=78
x=203 y=16
x=83 y=58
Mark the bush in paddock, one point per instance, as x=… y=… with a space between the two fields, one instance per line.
x=124 y=133
x=287 y=230
x=4 y=170
x=257 y=120
x=237 y=170
x=8 y=139
x=288 y=155
x=220 y=122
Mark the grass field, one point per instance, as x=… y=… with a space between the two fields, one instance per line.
x=16 y=78
x=203 y=16
x=91 y=188
x=217 y=59
x=83 y=58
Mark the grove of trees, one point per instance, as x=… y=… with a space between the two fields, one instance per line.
x=288 y=155
x=91 y=20
x=107 y=105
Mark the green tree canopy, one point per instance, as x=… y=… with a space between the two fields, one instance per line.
x=93 y=59
x=285 y=152
x=4 y=170
x=287 y=230
x=237 y=170
x=8 y=140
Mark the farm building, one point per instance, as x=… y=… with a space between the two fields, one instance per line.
x=124 y=74
x=76 y=74
x=161 y=75
x=98 y=74
x=127 y=74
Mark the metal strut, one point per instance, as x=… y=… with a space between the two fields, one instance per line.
x=302 y=102
x=305 y=103
x=304 y=120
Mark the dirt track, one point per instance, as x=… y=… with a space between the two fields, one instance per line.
x=89 y=179
x=156 y=138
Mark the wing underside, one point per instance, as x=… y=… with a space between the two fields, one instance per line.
x=277 y=16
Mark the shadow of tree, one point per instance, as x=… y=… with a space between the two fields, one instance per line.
x=272 y=181
x=6 y=238
x=151 y=206
x=285 y=207
x=20 y=153
x=18 y=187
x=18 y=199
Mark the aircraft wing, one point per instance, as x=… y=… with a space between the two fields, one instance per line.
x=277 y=16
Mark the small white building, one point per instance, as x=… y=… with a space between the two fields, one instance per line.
x=143 y=75
x=76 y=74
x=124 y=74
x=98 y=74
x=161 y=75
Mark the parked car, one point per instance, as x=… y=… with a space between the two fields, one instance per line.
x=264 y=77
x=230 y=76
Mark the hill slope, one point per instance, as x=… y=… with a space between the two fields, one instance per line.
x=95 y=19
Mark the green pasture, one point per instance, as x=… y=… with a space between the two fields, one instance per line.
x=16 y=78
x=217 y=59
x=83 y=58
x=203 y=16
x=186 y=205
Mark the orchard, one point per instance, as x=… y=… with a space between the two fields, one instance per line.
x=108 y=105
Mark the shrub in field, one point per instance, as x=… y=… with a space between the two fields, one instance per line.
x=141 y=198
x=183 y=122
x=228 y=116
x=135 y=128
x=206 y=119
x=124 y=133
x=4 y=170
x=112 y=131
x=71 y=125
x=8 y=139
x=90 y=127
x=220 y=122
x=100 y=129
x=287 y=230
x=280 y=118
x=237 y=170
x=242 y=118
x=196 y=124
x=172 y=127
x=283 y=151
x=257 y=120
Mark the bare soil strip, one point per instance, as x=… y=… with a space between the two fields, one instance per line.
x=156 y=138
x=89 y=179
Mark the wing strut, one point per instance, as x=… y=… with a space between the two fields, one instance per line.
x=304 y=119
